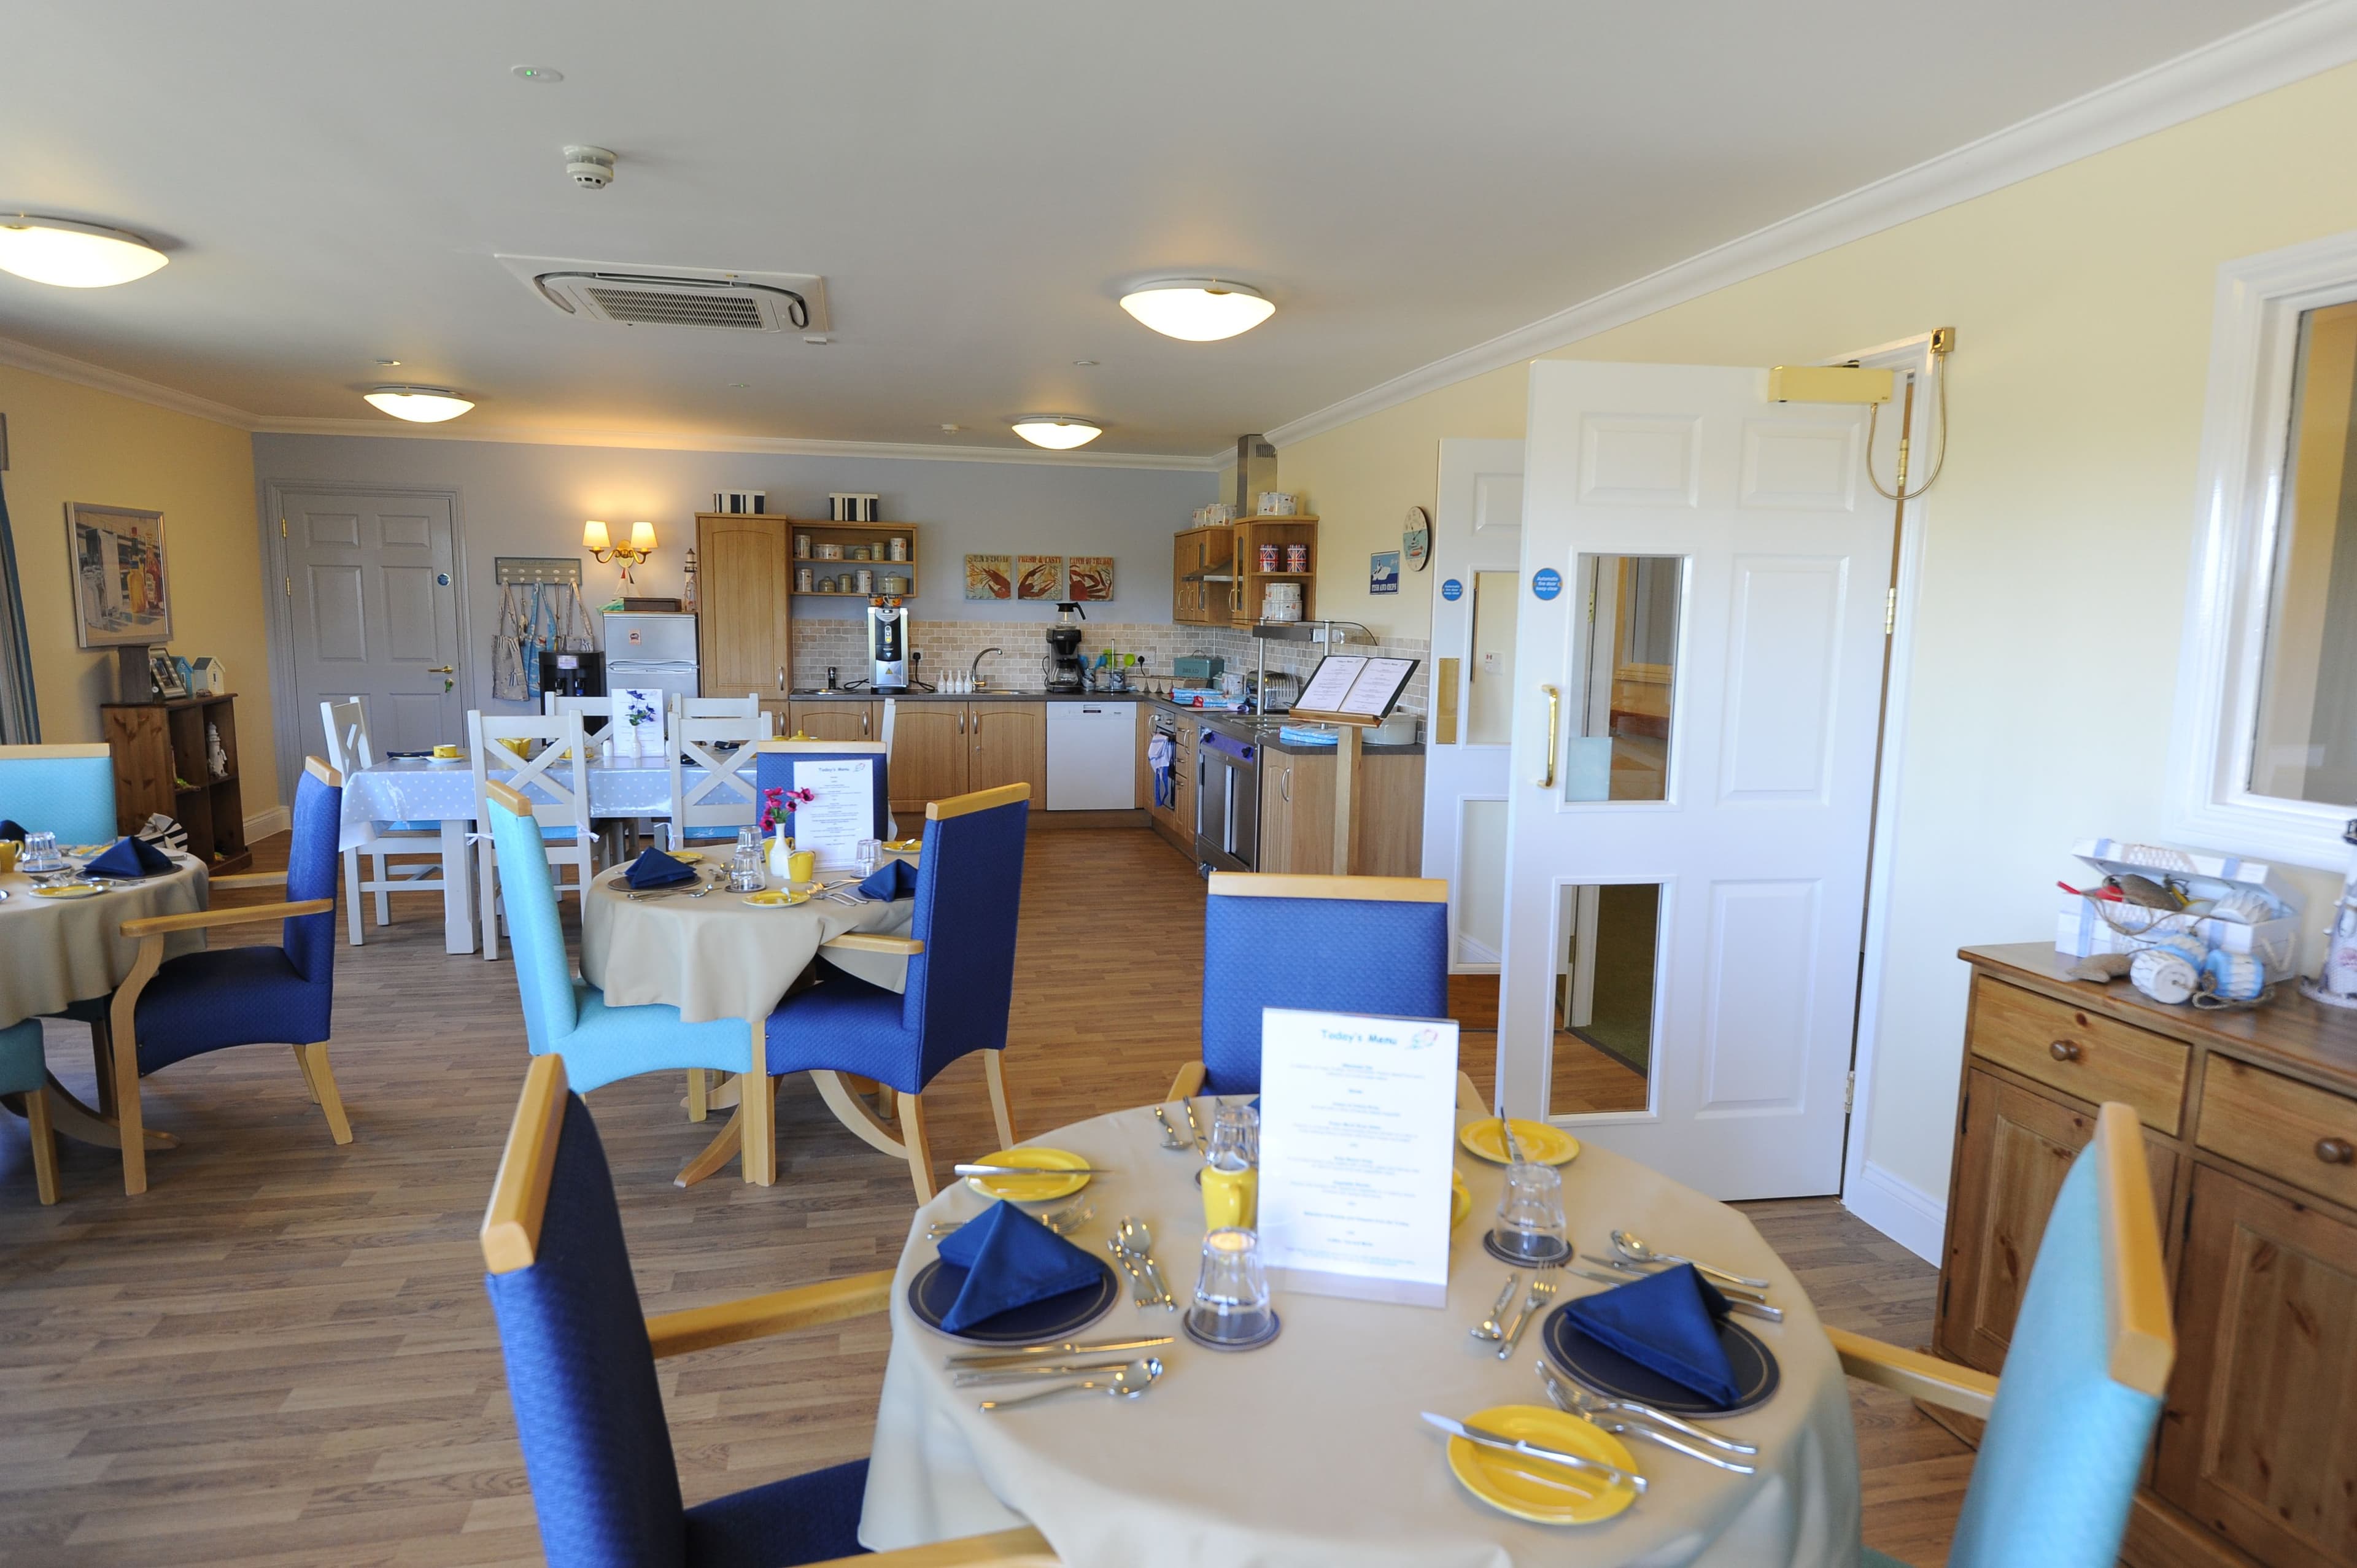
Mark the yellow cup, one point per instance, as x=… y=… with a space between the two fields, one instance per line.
x=8 y=848
x=802 y=866
x=446 y=751
x=1230 y=1198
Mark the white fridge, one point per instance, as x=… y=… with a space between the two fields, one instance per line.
x=651 y=650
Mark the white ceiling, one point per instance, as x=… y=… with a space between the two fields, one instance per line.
x=976 y=183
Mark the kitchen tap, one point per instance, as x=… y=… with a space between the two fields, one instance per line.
x=974 y=672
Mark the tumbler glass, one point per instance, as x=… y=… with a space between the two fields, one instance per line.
x=1232 y=1290
x=41 y=852
x=1530 y=1216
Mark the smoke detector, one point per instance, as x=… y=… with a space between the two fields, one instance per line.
x=712 y=298
x=591 y=168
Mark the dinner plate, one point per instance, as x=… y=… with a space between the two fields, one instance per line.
x=935 y=1288
x=777 y=899
x=1513 y=1485
x=1544 y=1144
x=1613 y=1375
x=1028 y=1188
x=69 y=890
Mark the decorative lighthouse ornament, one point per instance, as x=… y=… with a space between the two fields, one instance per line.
x=2335 y=984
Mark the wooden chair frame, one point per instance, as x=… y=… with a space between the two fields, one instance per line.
x=511 y=1239
x=344 y=720
x=567 y=805
x=33 y=1104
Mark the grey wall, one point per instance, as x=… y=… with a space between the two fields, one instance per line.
x=517 y=500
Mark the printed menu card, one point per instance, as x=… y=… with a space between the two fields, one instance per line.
x=1358 y=1134
x=844 y=812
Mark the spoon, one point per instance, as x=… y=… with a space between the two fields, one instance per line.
x=1139 y=1242
x=1579 y=1402
x=1631 y=1246
x=1491 y=1329
x=1128 y=1383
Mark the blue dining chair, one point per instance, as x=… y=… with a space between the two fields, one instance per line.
x=25 y=1078
x=567 y=1018
x=778 y=768
x=588 y=1407
x=1350 y=944
x=960 y=986
x=167 y=1011
x=2092 y=1349
x=68 y=790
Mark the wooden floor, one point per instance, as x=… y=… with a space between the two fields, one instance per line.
x=283 y=1354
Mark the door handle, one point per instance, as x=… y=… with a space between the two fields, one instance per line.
x=781 y=676
x=1554 y=725
x=1284 y=786
x=862 y=718
x=441 y=669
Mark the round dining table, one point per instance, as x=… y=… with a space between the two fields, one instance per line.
x=1311 y=1450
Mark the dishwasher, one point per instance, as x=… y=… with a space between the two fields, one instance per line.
x=1091 y=757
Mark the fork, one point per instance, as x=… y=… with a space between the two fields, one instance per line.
x=1579 y=1402
x=1063 y=1222
x=1543 y=1288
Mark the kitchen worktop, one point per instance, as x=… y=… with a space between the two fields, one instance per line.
x=996 y=694
x=1262 y=729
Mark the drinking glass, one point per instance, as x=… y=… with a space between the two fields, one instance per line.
x=744 y=873
x=41 y=852
x=1232 y=1290
x=1530 y=1217
x=864 y=855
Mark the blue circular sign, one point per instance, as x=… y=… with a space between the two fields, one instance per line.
x=1546 y=582
x=1452 y=589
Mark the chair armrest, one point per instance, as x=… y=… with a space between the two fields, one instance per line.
x=778 y=1312
x=1187 y=1084
x=1927 y=1377
x=870 y=941
x=249 y=879
x=203 y=919
x=1024 y=1548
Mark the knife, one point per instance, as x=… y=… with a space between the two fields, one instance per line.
x=1610 y=1473
x=1068 y=1348
x=1032 y=1170
x=1732 y=1293
x=978 y=1377
x=1736 y=1304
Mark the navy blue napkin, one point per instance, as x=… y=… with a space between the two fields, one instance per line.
x=132 y=857
x=1010 y=1260
x=10 y=830
x=1667 y=1323
x=893 y=879
x=656 y=869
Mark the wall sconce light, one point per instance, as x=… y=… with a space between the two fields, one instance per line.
x=595 y=540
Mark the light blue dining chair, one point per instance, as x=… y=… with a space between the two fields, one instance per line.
x=567 y=1018
x=1351 y=944
x=2092 y=1349
x=960 y=983
x=68 y=790
x=588 y=1405
x=24 y=1077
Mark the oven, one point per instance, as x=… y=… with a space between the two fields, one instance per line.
x=1227 y=801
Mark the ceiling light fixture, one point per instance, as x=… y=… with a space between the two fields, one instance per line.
x=419 y=405
x=1057 y=432
x=1200 y=310
x=73 y=255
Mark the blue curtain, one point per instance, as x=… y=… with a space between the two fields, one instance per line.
x=20 y=717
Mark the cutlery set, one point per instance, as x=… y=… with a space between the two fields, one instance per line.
x=1543 y=1289
x=1108 y=1365
x=1063 y=1222
x=1132 y=1246
x=1626 y=1418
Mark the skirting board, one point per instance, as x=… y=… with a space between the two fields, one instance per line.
x=1909 y=1215
x=274 y=820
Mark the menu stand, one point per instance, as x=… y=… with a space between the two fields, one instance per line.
x=1352 y=694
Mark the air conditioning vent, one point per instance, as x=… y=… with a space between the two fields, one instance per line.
x=681 y=296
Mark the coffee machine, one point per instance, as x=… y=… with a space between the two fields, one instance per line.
x=888 y=645
x=1066 y=673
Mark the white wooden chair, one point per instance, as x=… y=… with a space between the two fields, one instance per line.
x=748 y=706
x=556 y=781
x=344 y=721
x=729 y=796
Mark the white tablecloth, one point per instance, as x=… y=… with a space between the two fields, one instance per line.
x=1310 y=1450
x=54 y=951
x=410 y=790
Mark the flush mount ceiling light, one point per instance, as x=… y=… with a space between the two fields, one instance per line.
x=1200 y=310
x=1057 y=432
x=419 y=405
x=73 y=255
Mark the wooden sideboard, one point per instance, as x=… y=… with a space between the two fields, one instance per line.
x=2250 y=1124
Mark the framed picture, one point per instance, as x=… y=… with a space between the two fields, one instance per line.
x=1039 y=576
x=164 y=674
x=1382 y=571
x=1089 y=578
x=121 y=596
x=990 y=576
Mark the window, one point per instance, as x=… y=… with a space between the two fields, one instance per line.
x=2265 y=752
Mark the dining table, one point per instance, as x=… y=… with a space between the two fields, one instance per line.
x=1310 y=1449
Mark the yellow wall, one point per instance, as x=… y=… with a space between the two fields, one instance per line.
x=2056 y=544
x=70 y=442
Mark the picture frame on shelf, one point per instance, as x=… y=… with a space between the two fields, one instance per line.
x=122 y=592
x=164 y=674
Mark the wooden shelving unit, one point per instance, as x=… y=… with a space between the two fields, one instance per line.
x=159 y=765
x=1250 y=534
x=848 y=534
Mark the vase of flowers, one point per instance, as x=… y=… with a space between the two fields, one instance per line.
x=638 y=714
x=777 y=804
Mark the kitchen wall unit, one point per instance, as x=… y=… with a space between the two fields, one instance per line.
x=846 y=536
x=744 y=582
x=1202 y=575
x=2250 y=1134
x=1248 y=588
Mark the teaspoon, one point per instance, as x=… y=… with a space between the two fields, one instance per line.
x=1128 y=1383
x=1139 y=1242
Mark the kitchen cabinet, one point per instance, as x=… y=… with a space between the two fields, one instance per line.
x=744 y=577
x=1247 y=587
x=1009 y=746
x=1196 y=553
x=941 y=749
x=1297 y=812
x=2250 y=1123
x=833 y=719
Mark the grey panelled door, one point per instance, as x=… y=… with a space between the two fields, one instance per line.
x=372 y=605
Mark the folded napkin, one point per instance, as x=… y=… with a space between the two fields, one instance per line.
x=893 y=879
x=132 y=857
x=1666 y=1323
x=10 y=830
x=656 y=869
x=1010 y=1260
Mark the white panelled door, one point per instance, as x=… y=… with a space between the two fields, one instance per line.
x=1477 y=544
x=1699 y=661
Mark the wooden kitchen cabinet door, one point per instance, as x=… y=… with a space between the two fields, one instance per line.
x=1185 y=559
x=836 y=720
x=2016 y=1147
x=744 y=577
x=1009 y=746
x=2255 y=1442
x=928 y=761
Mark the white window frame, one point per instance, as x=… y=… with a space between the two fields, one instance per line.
x=2245 y=432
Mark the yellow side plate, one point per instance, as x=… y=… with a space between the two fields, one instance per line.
x=1531 y=1488
x=1460 y=1202
x=904 y=846
x=686 y=856
x=778 y=898
x=1547 y=1145
x=69 y=890
x=1029 y=1188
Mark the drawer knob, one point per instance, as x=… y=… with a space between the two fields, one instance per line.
x=2064 y=1050
x=2335 y=1151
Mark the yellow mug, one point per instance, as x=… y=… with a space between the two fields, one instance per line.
x=446 y=751
x=8 y=848
x=802 y=865
x=1230 y=1198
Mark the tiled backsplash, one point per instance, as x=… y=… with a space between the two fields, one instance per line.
x=952 y=644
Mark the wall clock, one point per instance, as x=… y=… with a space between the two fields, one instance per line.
x=1416 y=538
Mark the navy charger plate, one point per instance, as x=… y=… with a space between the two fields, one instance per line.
x=1604 y=1371
x=935 y=1288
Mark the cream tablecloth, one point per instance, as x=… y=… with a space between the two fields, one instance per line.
x=1310 y=1452
x=54 y=951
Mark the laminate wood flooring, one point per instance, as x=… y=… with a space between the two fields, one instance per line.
x=281 y=1354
